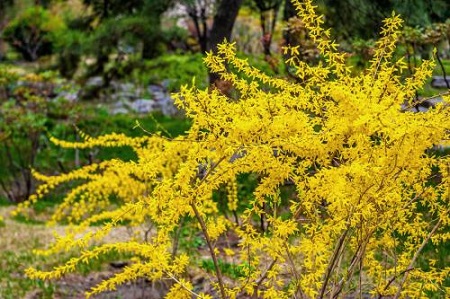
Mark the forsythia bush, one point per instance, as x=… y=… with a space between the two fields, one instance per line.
x=368 y=191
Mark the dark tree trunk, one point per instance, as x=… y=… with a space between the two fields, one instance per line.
x=4 y=6
x=105 y=13
x=2 y=49
x=222 y=27
x=43 y=3
x=199 y=18
x=288 y=12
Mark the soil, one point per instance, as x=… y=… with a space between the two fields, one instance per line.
x=22 y=237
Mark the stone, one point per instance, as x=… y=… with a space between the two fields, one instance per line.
x=153 y=88
x=440 y=81
x=115 y=111
x=123 y=95
x=168 y=108
x=69 y=96
x=94 y=82
x=143 y=106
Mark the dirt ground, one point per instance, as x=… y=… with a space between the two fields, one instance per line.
x=20 y=238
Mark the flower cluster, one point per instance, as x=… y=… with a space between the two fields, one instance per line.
x=367 y=192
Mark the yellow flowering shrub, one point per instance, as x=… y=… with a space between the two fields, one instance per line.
x=368 y=192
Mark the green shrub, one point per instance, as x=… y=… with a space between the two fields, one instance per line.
x=26 y=114
x=178 y=70
x=34 y=32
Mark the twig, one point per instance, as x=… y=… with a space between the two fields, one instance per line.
x=436 y=54
x=439 y=95
x=355 y=259
x=332 y=263
x=211 y=249
x=182 y=284
x=297 y=276
x=416 y=255
x=380 y=296
x=264 y=275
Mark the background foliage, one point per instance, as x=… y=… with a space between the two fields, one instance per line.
x=324 y=174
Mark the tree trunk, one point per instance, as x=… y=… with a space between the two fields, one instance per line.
x=289 y=12
x=4 y=5
x=222 y=27
x=2 y=48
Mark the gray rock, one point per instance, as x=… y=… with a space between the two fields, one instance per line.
x=440 y=82
x=126 y=87
x=168 y=108
x=153 y=88
x=143 y=106
x=159 y=95
x=435 y=101
x=94 y=82
x=68 y=96
x=119 y=110
x=121 y=96
x=165 y=83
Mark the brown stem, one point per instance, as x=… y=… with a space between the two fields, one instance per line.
x=332 y=263
x=355 y=261
x=442 y=68
x=416 y=255
x=410 y=68
x=211 y=250
x=296 y=274
x=380 y=296
x=426 y=99
x=262 y=218
x=264 y=275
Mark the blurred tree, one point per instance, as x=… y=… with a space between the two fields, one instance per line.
x=113 y=27
x=223 y=22
x=357 y=18
x=200 y=12
x=33 y=32
x=223 y=14
x=151 y=15
x=268 y=15
x=43 y=3
x=5 y=5
x=422 y=12
x=146 y=19
x=213 y=20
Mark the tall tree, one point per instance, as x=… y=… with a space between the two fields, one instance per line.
x=268 y=14
x=200 y=12
x=144 y=16
x=223 y=22
x=357 y=18
x=5 y=5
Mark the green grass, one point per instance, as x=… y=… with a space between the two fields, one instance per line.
x=228 y=269
x=438 y=69
x=13 y=283
x=4 y=202
x=428 y=90
x=17 y=239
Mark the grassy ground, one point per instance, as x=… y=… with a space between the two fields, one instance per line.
x=428 y=90
x=19 y=235
x=16 y=242
x=18 y=238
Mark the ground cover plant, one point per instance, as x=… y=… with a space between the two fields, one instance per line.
x=368 y=192
x=31 y=110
